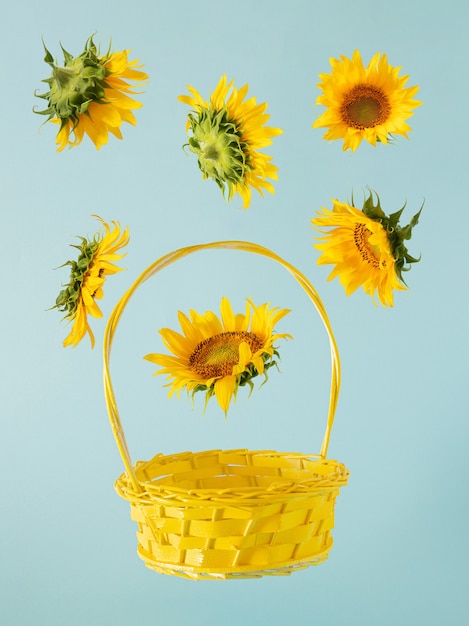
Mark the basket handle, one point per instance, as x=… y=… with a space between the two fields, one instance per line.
x=161 y=264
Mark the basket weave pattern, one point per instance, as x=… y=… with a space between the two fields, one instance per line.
x=223 y=514
x=233 y=513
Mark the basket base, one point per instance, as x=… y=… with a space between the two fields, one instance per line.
x=225 y=514
x=239 y=573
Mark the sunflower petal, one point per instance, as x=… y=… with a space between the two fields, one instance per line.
x=224 y=390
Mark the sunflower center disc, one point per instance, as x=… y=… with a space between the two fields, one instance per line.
x=365 y=107
x=369 y=253
x=216 y=356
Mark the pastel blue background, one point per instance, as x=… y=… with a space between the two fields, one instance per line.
x=67 y=545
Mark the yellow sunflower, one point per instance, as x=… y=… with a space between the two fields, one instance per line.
x=89 y=94
x=365 y=103
x=219 y=355
x=87 y=277
x=226 y=134
x=366 y=246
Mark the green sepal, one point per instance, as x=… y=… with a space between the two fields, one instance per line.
x=49 y=59
x=396 y=234
x=68 y=58
x=74 y=85
x=222 y=155
x=67 y=300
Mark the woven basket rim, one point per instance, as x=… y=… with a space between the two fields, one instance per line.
x=150 y=491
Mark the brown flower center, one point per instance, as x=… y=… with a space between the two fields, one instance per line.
x=216 y=356
x=365 y=106
x=369 y=253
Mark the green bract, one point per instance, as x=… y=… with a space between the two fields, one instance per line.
x=216 y=140
x=67 y=300
x=73 y=86
x=396 y=234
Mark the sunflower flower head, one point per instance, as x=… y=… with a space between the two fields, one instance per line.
x=365 y=103
x=226 y=134
x=217 y=356
x=89 y=94
x=366 y=246
x=87 y=276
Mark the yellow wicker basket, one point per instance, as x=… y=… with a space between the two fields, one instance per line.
x=222 y=514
